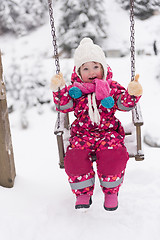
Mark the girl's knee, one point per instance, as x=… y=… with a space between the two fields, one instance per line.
x=77 y=162
x=112 y=161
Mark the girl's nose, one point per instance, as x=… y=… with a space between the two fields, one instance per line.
x=92 y=73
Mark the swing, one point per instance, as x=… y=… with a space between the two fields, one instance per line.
x=62 y=126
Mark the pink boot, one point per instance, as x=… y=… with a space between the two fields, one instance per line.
x=111 y=201
x=83 y=201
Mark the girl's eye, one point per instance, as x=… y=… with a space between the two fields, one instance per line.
x=85 y=69
x=96 y=67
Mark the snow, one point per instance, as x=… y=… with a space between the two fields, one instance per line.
x=41 y=205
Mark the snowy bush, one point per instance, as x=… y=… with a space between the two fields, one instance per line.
x=143 y=9
x=26 y=85
x=19 y=17
x=80 y=19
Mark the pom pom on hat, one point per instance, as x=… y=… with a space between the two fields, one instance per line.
x=87 y=51
x=86 y=40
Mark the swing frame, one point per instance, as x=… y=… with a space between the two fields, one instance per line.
x=62 y=124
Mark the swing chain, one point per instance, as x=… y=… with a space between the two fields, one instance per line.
x=132 y=49
x=132 y=39
x=56 y=56
x=54 y=39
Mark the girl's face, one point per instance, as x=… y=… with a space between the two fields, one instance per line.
x=91 y=70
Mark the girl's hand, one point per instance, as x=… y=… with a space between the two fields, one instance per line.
x=57 y=81
x=135 y=88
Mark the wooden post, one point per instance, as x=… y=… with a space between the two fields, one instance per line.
x=60 y=150
x=138 y=122
x=139 y=156
x=60 y=132
x=7 y=167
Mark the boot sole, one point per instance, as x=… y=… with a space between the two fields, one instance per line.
x=84 y=205
x=111 y=209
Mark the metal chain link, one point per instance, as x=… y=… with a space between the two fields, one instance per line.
x=132 y=49
x=55 y=48
x=132 y=39
x=54 y=39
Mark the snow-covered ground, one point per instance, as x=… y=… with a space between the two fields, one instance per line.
x=40 y=206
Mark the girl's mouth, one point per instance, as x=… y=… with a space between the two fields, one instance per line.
x=92 y=78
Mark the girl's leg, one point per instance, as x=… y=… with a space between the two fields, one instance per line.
x=111 y=164
x=80 y=171
x=112 y=158
x=78 y=166
x=81 y=176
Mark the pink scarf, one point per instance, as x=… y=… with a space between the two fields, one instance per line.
x=99 y=86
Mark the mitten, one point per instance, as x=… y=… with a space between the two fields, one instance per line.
x=135 y=88
x=57 y=81
x=107 y=102
x=75 y=92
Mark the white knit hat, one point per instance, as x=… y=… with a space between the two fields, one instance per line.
x=87 y=51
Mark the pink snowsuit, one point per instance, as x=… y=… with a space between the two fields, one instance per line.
x=104 y=141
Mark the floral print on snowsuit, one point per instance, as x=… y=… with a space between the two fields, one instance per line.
x=104 y=141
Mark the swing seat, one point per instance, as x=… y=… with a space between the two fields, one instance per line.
x=133 y=141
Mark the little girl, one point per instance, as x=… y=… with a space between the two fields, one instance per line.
x=94 y=97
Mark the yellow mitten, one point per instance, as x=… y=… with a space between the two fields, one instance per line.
x=57 y=81
x=135 y=88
